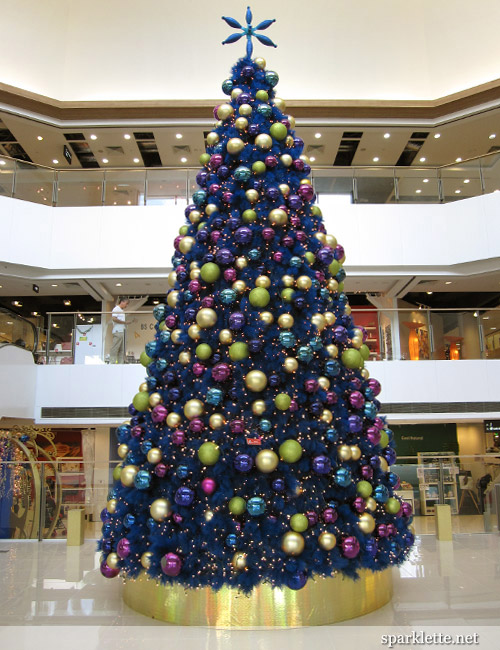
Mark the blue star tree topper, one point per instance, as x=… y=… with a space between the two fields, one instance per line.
x=249 y=31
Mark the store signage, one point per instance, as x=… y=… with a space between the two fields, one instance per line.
x=492 y=426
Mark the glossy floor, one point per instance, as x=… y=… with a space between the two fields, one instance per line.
x=51 y=595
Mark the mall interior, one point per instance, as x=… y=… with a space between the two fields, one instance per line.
x=104 y=112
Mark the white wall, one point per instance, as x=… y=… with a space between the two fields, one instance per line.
x=18 y=382
x=169 y=50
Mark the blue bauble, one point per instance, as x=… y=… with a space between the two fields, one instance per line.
x=134 y=420
x=254 y=254
x=381 y=494
x=242 y=174
x=177 y=261
x=199 y=197
x=243 y=463
x=231 y=540
x=355 y=424
x=122 y=432
x=182 y=276
x=208 y=257
x=217 y=222
x=296 y=262
x=278 y=485
x=236 y=320
x=321 y=464
x=370 y=410
x=174 y=394
x=368 y=393
x=265 y=425
x=145 y=446
x=324 y=294
x=150 y=348
x=189 y=314
x=340 y=277
x=305 y=354
x=390 y=434
x=253 y=129
x=159 y=312
x=184 y=496
x=256 y=506
x=392 y=478
x=234 y=223
x=272 y=78
x=224 y=256
x=390 y=455
x=342 y=299
x=332 y=435
x=273 y=193
x=316 y=343
x=151 y=523
x=332 y=368
x=255 y=345
x=297 y=580
x=265 y=110
x=243 y=235
x=274 y=381
x=287 y=339
x=128 y=520
x=299 y=302
x=227 y=86
x=201 y=178
x=316 y=408
x=106 y=545
x=342 y=477
x=214 y=396
x=164 y=336
x=409 y=538
x=169 y=377
x=227 y=296
x=216 y=357
x=142 y=480
x=105 y=516
x=234 y=394
x=202 y=235
x=161 y=364
x=182 y=471
x=375 y=462
x=187 y=296
x=223 y=172
x=371 y=546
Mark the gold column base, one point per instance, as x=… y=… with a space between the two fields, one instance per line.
x=322 y=601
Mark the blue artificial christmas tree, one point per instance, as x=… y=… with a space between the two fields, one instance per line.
x=254 y=451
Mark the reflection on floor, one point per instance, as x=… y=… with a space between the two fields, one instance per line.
x=50 y=593
x=460 y=524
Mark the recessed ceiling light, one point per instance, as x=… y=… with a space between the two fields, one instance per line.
x=118 y=284
x=492 y=136
x=39 y=137
x=105 y=160
x=156 y=302
x=2 y=162
x=127 y=136
x=486 y=318
x=426 y=180
x=67 y=303
x=466 y=180
x=458 y=191
x=423 y=159
x=475 y=314
x=55 y=324
x=55 y=161
x=449 y=282
x=54 y=285
x=437 y=135
x=183 y=159
x=136 y=160
x=312 y=158
x=458 y=160
x=387 y=135
x=93 y=137
x=178 y=136
x=17 y=303
x=429 y=293
x=418 y=191
x=129 y=202
x=34 y=313
x=317 y=135
x=376 y=159
x=1 y=286
x=492 y=328
x=9 y=322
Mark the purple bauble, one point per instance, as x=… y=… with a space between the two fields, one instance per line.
x=208 y=302
x=359 y=504
x=375 y=462
x=294 y=201
x=390 y=455
x=278 y=256
x=312 y=517
x=253 y=130
x=191 y=207
x=373 y=435
x=350 y=547
x=237 y=426
x=184 y=496
x=311 y=385
x=297 y=580
x=355 y=423
x=201 y=179
x=198 y=369
x=236 y=320
x=339 y=252
x=356 y=383
x=375 y=386
x=213 y=189
x=105 y=516
x=406 y=509
x=107 y=571
x=382 y=530
x=301 y=236
x=298 y=164
x=223 y=172
x=367 y=472
x=216 y=160
x=137 y=432
x=271 y=161
x=171 y=564
x=371 y=546
x=159 y=413
x=123 y=548
x=340 y=334
x=160 y=470
x=243 y=235
x=227 y=197
x=224 y=256
x=306 y=192
x=331 y=397
x=178 y=437
x=194 y=286
x=379 y=423
x=208 y=485
x=244 y=98
x=294 y=406
x=325 y=254
x=230 y=275
x=196 y=425
x=221 y=372
x=268 y=233
x=329 y=515
x=287 y=241
x=243 y=463
x=273 y=193
x=247 y=72
x=391 y=529
x=357 y=399
x=278 y=485
x=171 y=321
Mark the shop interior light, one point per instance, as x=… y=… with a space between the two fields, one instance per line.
x=105 y=160
x=127 y=136
x=418 y=191
x=2 y=162
x=466 y=180
x=178 y=136
x=312 y=159
x=136 y=160
x=426 y=180
x=184 y=160
x=458 y=160
x=448 y=282
x=67 y=303
x=423 y=159
x=429 y=293
x=118 y=284
x=93 y=137
x=492 y=136
x=376 y=159
x=387 y=135
x=437 y=135
x=39 y=137
x=55 y=161
x=317 y=136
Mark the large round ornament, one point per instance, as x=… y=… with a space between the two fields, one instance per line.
x=154 y=455
x=266 y=461
x=256 y=381
x=292 y=543
x=327 y=541
x=128 y=474
x=366 y=523
x=290 y=451
x=278 y=130
x=206 y=317
x=263 y=141
x=209 y=453
x=282 y=401
x=278 y=217
x=141 y=401
x=238 y=351
x=237 y=506
x=193 y=408
x=171 y=564
x=160 y=509
x=299 y=522
x=210 y=272
x=259 y=297
x=146 y=559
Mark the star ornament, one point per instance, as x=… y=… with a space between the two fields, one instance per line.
x=249 y=31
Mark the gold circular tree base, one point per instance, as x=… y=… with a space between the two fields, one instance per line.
x=321 y=602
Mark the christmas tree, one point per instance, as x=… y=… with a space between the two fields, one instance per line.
x=254 y=452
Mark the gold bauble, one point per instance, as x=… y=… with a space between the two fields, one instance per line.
x=305 y=181
x=225 y=336
x=286 y=321
x=239 y=561
x=235 y=145
x=371 y=504
x=175 y=337
x=324 y=383
x=320 y=236
x=332 y=285
x=304 y=282
x=160 y=509
x=266 y=461
x=245 y=110
x=193 y=408
x=143 y=388
x=329 y=317
x=171 y=279
x=260 y=62
x=357 y=342
x=291 y=119
x=332 y=350
x=288 y=280
x=383 y=464
x=194 y=332
x=146 y=559
x=195 y=216
x=195 y=264
x=331 y=241
x=209 y=209
x=172 y=298
x=266 y=317
x=113 y=560
x=212 y=138
x=154 y=455
x=194 y=274
x=263 y=142
x=111 y=505
x=366 y=523
x=347 y=310
x=186 y=244
x=365 y=373
x=128 y=475
x=263 y=281
x=217 y=421
x=292 y=543
x=241 y=262
x=280 y=103
x=241 y=123
x=252 y=196
x=326 y=416
x=344 y=452
x=154 y=399
x=289 y=141
x=239 y=286
x=357 y=332
x=208 y=515
x=236 y=92
x=318 y=320
x=290 y=364
x=206 y=317
x=258 y=407
x=173 y=420
x=224 y=111
x=122 y=450
x=278 y=217
x=184 y=357
x=284 y=189
x=255 y=381
x=327 y=541
x=355 y=452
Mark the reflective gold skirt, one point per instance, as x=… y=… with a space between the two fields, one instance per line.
x=322 y=601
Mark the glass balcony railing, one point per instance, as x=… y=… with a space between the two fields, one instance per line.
x=18 y=331
x=391 y=335
x=164 y=185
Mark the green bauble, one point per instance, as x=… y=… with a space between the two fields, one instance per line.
x=116 y=473
x=144 y=359
x=352 y=358
x=287 y=294
x=209 y=453
x=282 y=401
x=290 y=451
x=237 y=506
x=183 y=230
x=259 y=167
x=392 y=506
x=384 y=439
x=141 y=401
x=259 y=297
x=249 y=215
x=238 y=351
x=278 y=131
x=262 y=95
x=299 y=523
x=203 y=351
x=310 y=257
x=316 y=211
x=210 y=272
x=334 y=267
x=341 y=287
x=364 y=489
x=365 y=352
x=204 y=159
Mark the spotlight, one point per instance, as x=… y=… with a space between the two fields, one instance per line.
x=35 y=288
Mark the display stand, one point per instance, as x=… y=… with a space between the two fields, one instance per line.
x=437 y=474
